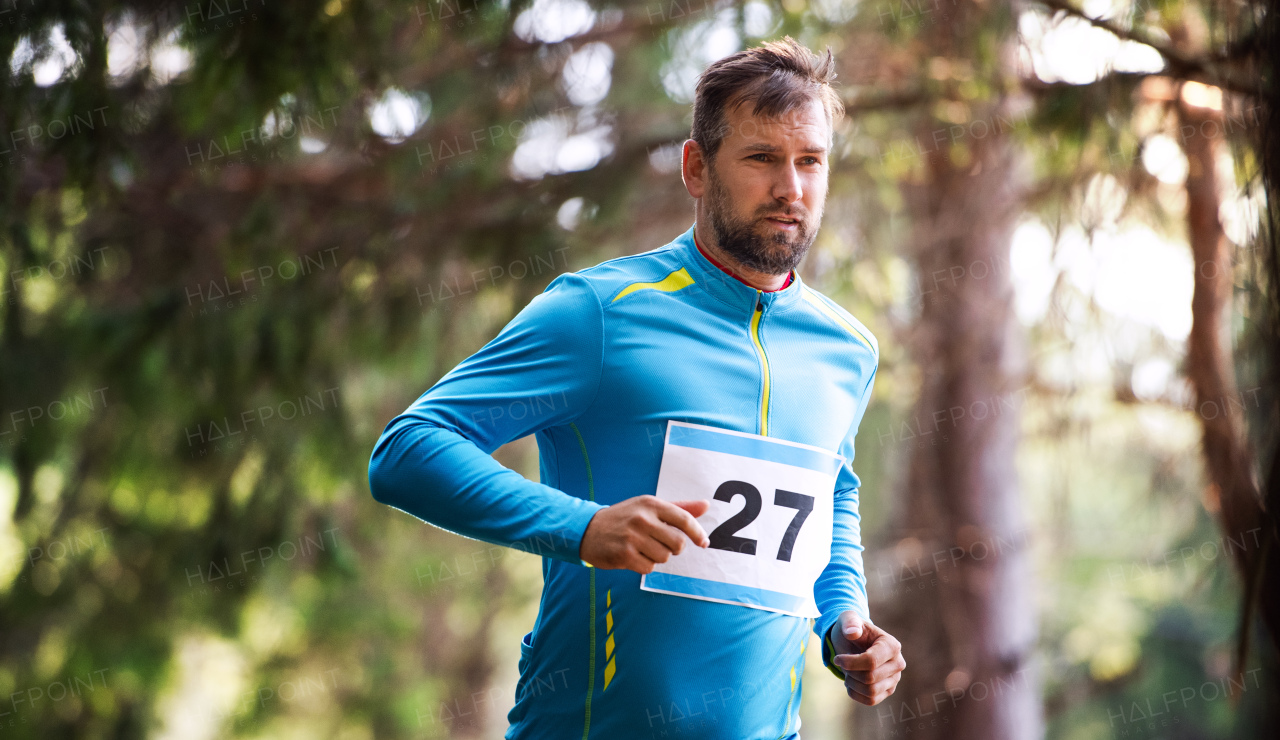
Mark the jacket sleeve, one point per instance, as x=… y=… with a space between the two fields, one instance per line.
x=843 y=584
x=542 y=370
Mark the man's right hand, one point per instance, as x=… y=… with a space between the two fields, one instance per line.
x=641 y=532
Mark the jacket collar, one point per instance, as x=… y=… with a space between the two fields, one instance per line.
x=727 y=288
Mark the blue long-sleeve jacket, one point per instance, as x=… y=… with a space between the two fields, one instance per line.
x=595 y=366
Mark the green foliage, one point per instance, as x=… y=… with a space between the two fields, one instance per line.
x=220 y=283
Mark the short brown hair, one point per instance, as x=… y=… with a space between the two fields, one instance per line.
x=778 y=76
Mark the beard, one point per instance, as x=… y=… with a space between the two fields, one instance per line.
x=773 y=252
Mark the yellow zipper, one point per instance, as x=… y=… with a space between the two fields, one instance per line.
x=764 y=365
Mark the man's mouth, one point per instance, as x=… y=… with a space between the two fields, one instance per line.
x=785 y=222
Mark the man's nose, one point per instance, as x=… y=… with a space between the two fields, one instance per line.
x=787 y=187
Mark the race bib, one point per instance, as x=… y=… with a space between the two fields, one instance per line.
x=769 y=523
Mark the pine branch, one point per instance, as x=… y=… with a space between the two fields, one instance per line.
x=1179 y=65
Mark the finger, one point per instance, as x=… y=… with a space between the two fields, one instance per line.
x=853 y=662
x=870 y=688
x=652 y=549
x=882 y=650
x=851 y=625
x=859 y=697
x=860 y=689
x=881 y=690
x=885 y=670
x=874 y=692
x=666 y=535
x=696 y=507
x=863 y=662
x=680 y=514
x=873 y=657
x=639 y=563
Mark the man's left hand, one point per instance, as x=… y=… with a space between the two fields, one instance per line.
x=870 y=658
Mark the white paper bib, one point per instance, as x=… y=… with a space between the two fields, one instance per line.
x=769 y=523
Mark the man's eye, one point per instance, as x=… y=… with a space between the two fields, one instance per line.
x=766 y=156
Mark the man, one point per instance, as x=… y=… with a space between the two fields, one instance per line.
x=715 y=329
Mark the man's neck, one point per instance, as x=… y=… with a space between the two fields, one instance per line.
x=756 y=279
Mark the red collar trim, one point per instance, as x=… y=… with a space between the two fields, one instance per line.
x=724 y=269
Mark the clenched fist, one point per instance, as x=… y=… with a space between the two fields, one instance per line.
x=870 y=658
x=641 y=532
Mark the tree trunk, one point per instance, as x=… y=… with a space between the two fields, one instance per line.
x=1232 y=489
x=961 y=599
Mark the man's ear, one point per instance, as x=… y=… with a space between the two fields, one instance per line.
x=693 y=169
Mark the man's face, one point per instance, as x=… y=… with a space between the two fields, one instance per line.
x=767 y=184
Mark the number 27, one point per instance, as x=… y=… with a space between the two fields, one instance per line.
x=724 y=537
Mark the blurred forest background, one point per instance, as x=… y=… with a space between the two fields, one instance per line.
x=238 y=236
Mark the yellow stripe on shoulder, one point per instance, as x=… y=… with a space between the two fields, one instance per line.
x=822 y=306
x=673 y=282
